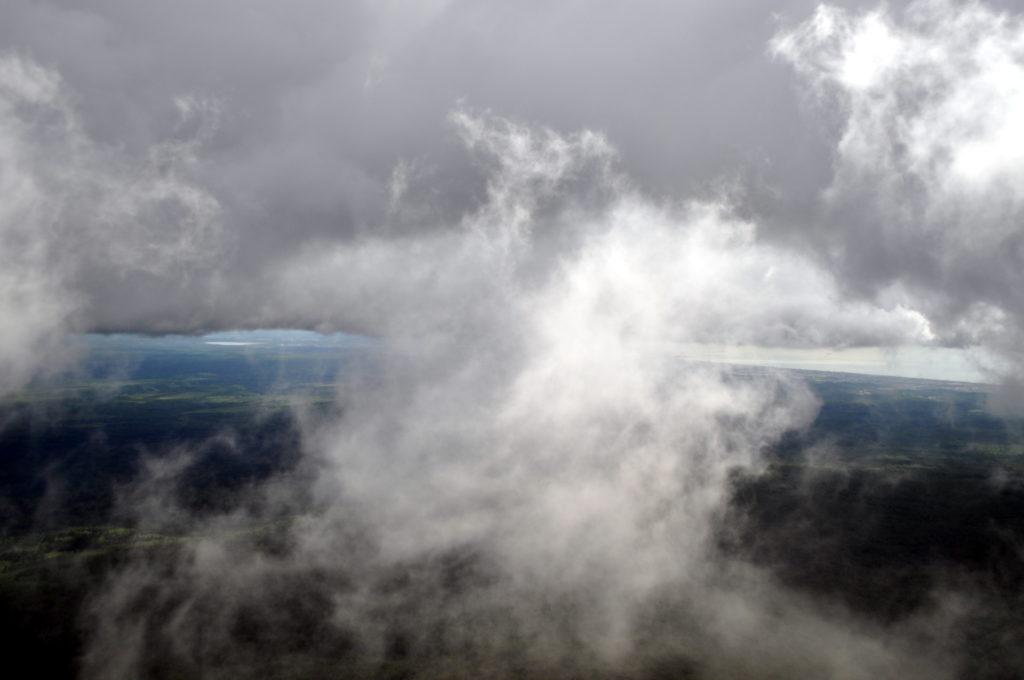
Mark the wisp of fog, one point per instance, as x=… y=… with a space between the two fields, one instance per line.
x=532 y=481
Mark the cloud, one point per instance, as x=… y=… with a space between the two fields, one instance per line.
x=302 y=154
x=533 y=478
x=561 y=220
x=307 y=110
x=75 y=213
x=925 y=193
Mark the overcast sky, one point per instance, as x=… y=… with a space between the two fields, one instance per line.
x=195 y=166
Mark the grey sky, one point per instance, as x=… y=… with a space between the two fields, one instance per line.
x=268 y=132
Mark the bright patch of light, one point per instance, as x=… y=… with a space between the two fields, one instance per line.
x=926 y=363
x=873 y=48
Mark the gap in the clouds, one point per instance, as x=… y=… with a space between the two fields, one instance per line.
x=240 y=365
x=131 y=397
x=967 y=365
x=266 y=338
x=294 y=350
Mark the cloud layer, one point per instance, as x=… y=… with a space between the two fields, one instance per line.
x=533 y=207
x=881 y=151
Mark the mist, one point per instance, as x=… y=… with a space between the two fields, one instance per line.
x=533 y=482
x=531 y=213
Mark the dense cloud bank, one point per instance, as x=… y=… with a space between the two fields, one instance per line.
x=186 y=170
x=164 y=167
x=532 y=207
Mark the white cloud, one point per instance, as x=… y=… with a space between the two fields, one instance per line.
x=928 y=185
x=531 y=412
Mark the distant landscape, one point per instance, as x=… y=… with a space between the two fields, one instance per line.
x=899 y=487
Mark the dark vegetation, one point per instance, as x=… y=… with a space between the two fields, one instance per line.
x=66 y=445
x=901 y=490
x=71 y=446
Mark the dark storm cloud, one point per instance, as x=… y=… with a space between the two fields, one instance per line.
x=303 y=112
